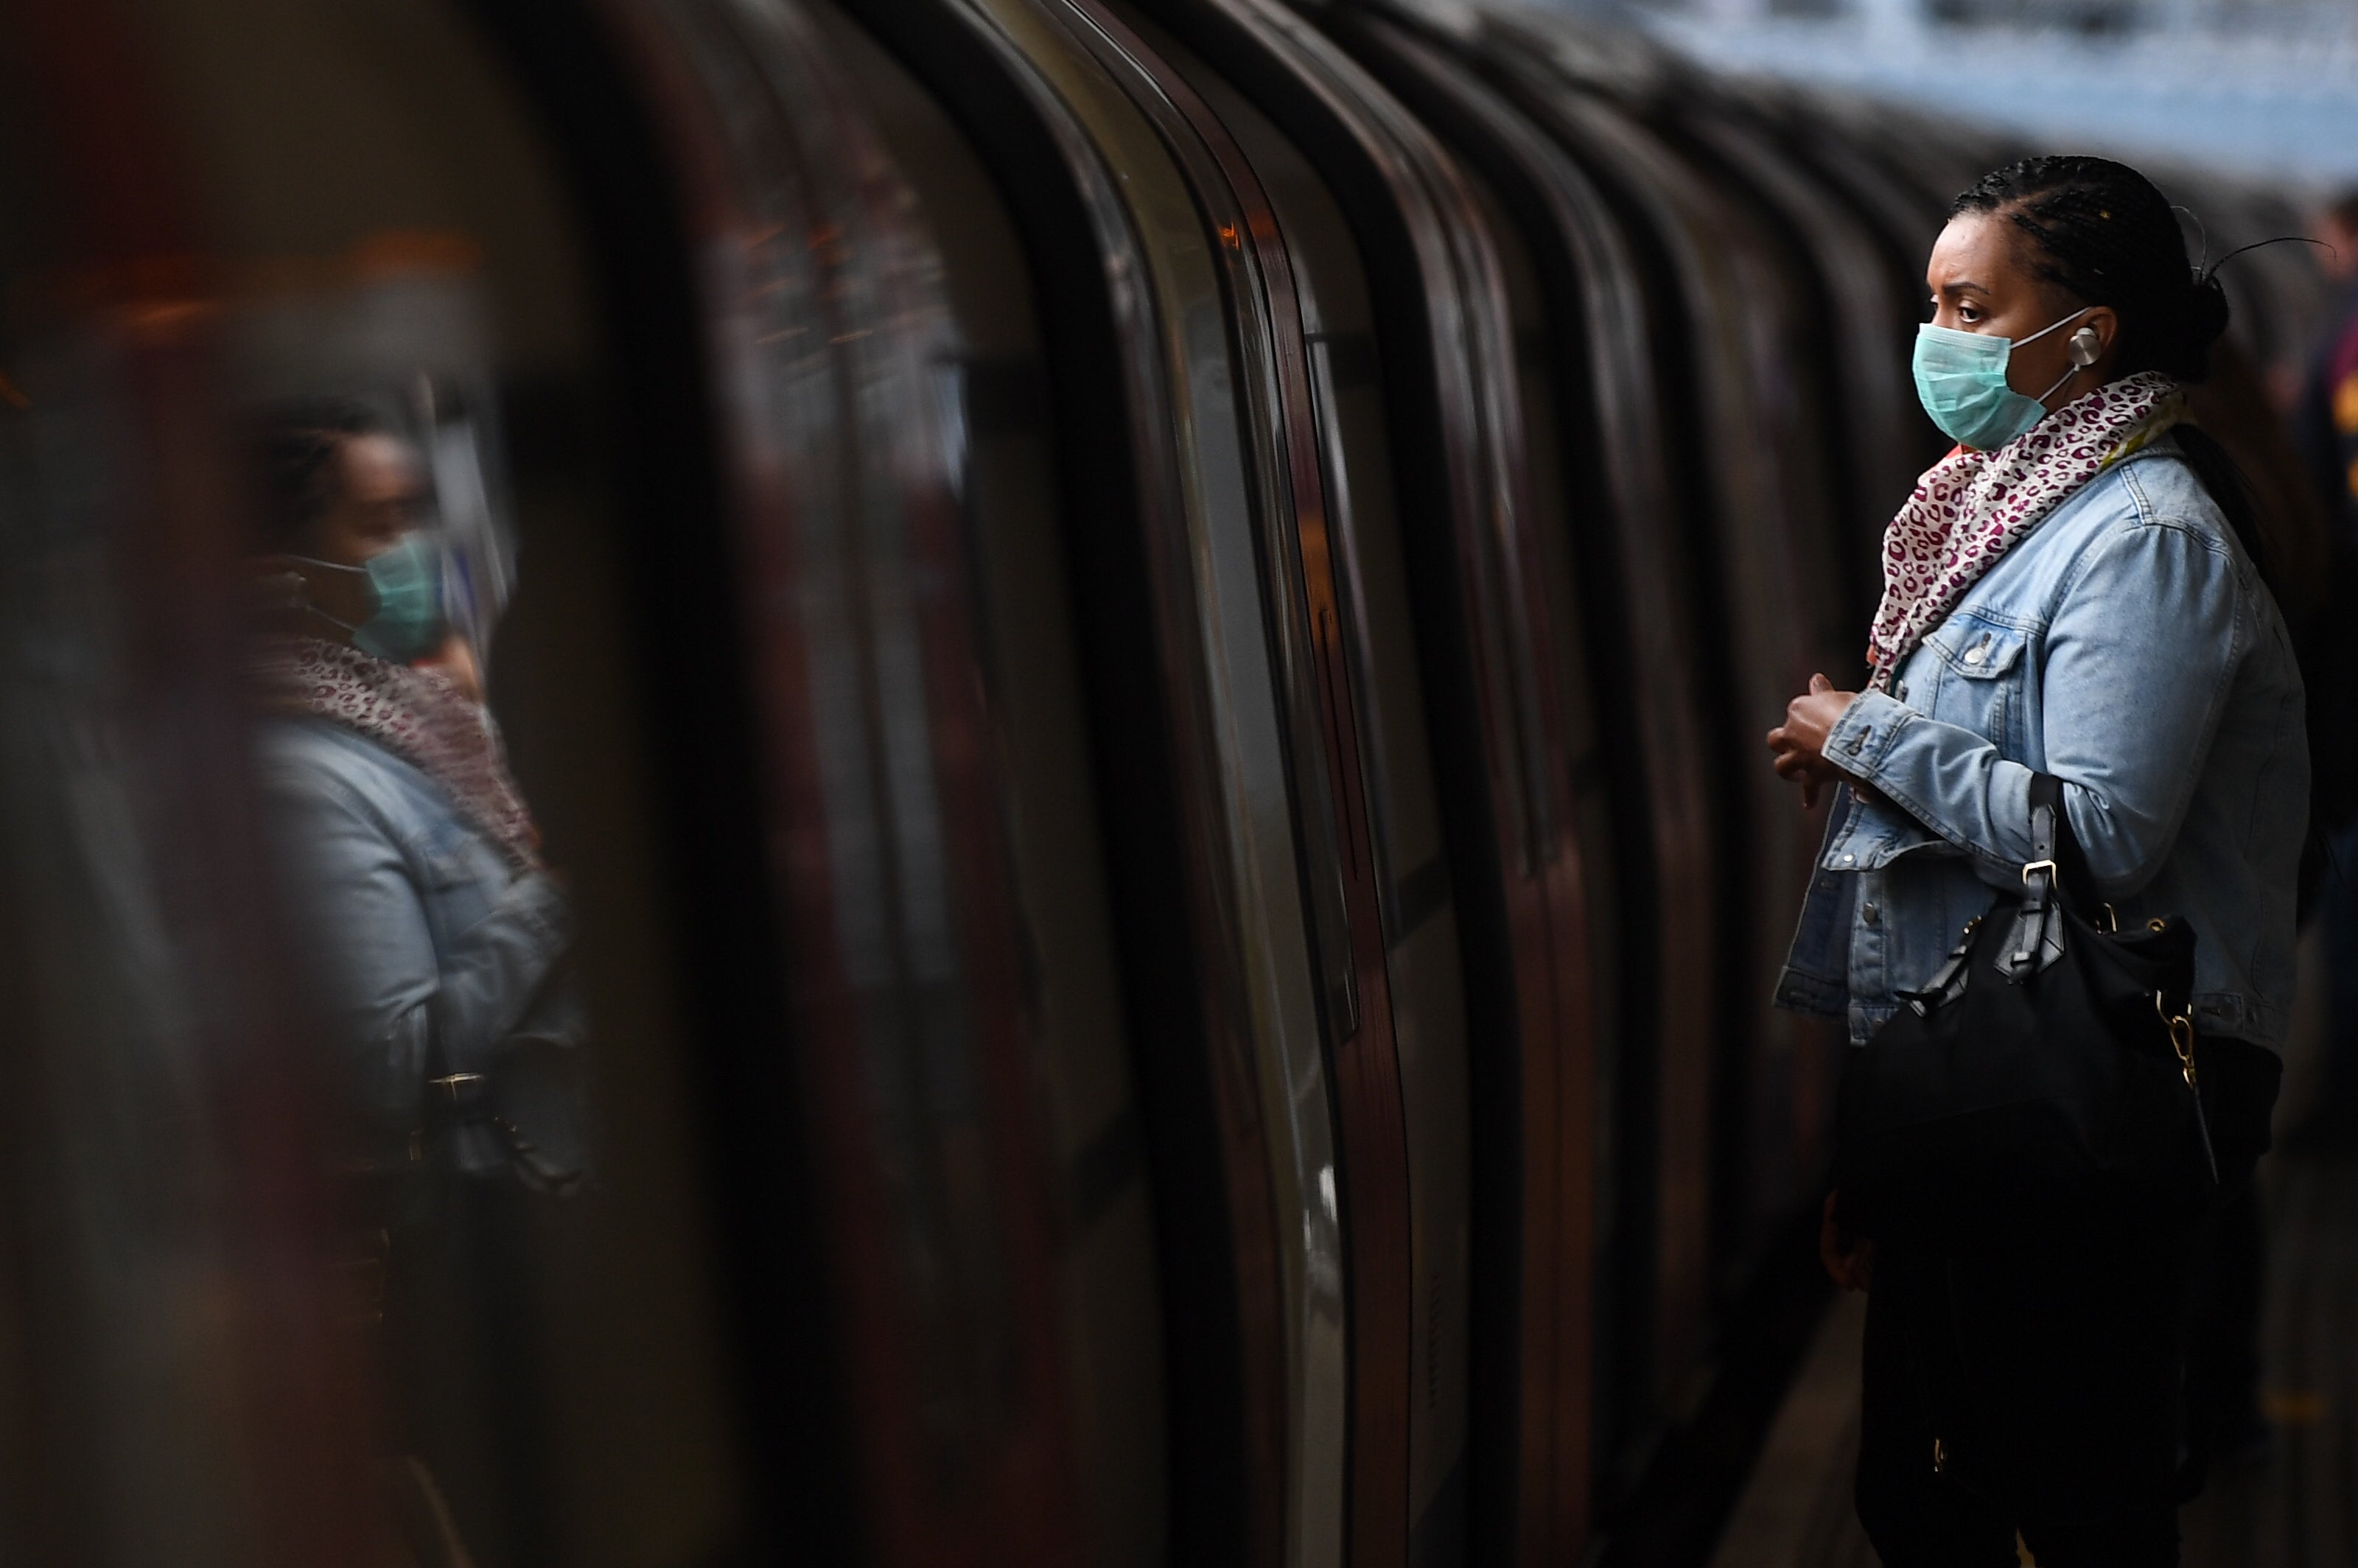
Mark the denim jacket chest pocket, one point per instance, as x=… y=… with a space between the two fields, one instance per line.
x=1977 y=670
x=460 y=874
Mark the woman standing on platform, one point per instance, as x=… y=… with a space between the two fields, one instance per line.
x=2071 y=594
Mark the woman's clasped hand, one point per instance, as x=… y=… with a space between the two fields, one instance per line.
x=1800 y=743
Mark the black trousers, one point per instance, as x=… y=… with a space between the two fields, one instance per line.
x=2115 y=1348
x=463 y=1346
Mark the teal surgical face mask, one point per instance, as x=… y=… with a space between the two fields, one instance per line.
x=406 y=585
x=1960 y=378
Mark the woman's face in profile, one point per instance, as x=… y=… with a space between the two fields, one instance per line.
x=377 y=488
x=377 y=491
x=1981 y=281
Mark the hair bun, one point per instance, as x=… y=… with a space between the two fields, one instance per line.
x=2182 y=337
x=2206 y=311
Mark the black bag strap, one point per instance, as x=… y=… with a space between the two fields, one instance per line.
x=2054 y=850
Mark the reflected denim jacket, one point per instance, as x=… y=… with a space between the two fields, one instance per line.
x=2126 y=645
x=430 y=952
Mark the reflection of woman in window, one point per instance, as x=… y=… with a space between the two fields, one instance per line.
x=436 y=935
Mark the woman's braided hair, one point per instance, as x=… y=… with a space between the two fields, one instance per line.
x=2100 y=231
x=296 y=444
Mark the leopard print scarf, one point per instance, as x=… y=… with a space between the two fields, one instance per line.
x=1970 y=507
x=418 y=715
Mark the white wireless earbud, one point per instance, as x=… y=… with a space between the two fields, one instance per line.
x=2084 y=346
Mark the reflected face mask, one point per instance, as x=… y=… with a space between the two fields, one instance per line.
x=1961 y=380
x=406 y=585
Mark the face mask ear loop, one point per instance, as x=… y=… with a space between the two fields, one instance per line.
x=2059 y=380
x=346 y=627
x=2043 y=331
x=310 y=606
x=2054 y=327
x=329 y=566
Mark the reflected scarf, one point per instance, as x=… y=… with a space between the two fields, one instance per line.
x=1970 y=507
x=418 y=715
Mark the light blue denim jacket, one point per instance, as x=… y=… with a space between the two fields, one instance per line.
x=2126 y=645
x=429 y=953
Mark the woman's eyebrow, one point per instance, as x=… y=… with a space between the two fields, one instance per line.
x=1961 y=285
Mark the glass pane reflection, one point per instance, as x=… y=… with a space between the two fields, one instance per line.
x=351 y=1207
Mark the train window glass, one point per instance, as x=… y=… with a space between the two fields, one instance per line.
x=1421 y=928
x=1549 y=446
x=1274 y=956
x=1107 y=1265
x=480 y=1172
x=1339 y=332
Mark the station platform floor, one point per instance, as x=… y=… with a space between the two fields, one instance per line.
x=2296 y=1506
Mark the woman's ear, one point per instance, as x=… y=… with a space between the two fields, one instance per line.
x=2092 y=342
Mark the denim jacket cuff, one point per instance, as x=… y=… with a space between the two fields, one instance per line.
x=1866 y=731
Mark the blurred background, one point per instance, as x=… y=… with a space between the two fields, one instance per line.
x=2262 y=88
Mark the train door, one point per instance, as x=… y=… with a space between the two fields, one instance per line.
x=1239 y=542
x=1442 y=338
x=1856 y=384
x=1899 y=222
x=1824 y=374
x=830 y=331
x=1537 y=1280
x=1110 y=1299
x=1629 y=581
x=1557 y=1109
x=1404 y=1278
x=1736 y=532
x=1374 y=631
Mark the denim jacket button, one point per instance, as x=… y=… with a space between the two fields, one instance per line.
x=1899 y=691
x=1870 y=915
x=1859 y=742
x=1848 y=860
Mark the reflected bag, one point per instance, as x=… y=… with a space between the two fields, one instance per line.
x=2044 y=1077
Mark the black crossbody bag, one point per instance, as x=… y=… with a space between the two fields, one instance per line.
x=2046 y=1072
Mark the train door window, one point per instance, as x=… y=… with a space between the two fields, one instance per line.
x=309 y=474
x=1414 y=894
x=1546 y=439
x=1109 y=1294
